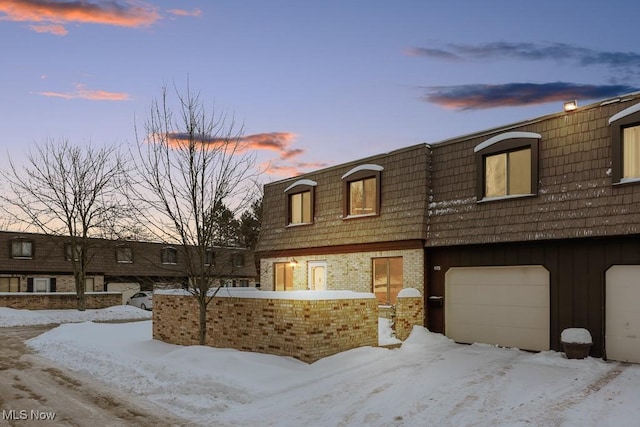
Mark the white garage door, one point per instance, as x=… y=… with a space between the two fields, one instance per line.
x=622 y=313
x=507 y=306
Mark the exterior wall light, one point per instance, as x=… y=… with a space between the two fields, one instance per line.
x=570 y=105
x=293 y=263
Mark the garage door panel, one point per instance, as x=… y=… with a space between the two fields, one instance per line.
x=622 y=313
x=504 y=295
x=521 y=317
x=507 y=306
x=517 y=275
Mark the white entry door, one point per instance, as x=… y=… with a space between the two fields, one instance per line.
x=317 y=275
x=40 y=285
x=622 y=313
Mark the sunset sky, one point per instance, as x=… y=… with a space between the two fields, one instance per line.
x=314 y=83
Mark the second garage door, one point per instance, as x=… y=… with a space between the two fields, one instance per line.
x=506 y=306
x=622 y=313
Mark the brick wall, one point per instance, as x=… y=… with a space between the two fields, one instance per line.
x=58 y=301
x=409 y=312
x=350 y=271
x=307 y=329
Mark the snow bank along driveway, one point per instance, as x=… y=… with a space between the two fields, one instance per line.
x=428 y=381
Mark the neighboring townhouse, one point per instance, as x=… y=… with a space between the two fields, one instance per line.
x=41 y=263
x=527 y=229
x=359 y=226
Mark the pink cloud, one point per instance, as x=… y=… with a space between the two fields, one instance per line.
x=182 y=12
x=54 y=14
x=91 y=94
x=56 y=29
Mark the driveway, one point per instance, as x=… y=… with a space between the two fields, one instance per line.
x=33 y=391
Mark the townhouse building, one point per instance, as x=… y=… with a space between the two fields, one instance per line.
x=512 y=234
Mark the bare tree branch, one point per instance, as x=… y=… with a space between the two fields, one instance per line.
x=66 y=190
x=186 y=169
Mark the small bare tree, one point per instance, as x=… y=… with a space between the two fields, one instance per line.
x=66 y=190
x=187 y=167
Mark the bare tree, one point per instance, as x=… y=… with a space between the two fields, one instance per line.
x=187 y=168
x=66 y=190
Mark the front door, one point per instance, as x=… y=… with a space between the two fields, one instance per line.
x=317 y=275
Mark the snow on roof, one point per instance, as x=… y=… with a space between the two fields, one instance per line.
x=365 y=167
x=624 y=113
x=301 y=182
x=506 y=135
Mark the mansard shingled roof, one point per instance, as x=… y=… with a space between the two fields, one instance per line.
x=404 y=192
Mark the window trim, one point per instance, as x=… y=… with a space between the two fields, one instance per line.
x=162 y=256
x=299 y=187
x=629 y=117
x=22 y=240
x=361 y=173
x=506 y=143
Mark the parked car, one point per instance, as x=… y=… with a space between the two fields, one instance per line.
x=143 y=300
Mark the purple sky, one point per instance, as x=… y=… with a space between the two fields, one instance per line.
x=315 y=83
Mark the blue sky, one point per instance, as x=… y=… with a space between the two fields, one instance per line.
x=314 y=83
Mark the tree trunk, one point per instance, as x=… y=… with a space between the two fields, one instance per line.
x=82 y=302
x=202 y=332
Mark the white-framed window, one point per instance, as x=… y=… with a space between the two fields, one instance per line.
x=41 y=284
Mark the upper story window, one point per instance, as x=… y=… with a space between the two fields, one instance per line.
x=124 y=255
x=169 y=255
x=21 y=249
x=209 y=257
x=300 y=198
x=625 y=127
x=72 y=252
x=238 y=260
x=362 y=190
x=507 y=166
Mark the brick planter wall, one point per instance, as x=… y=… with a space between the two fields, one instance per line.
x=58 y=300
x=307 y=329
x=409 y=312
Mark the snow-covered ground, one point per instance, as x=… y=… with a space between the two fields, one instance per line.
x=429 y=380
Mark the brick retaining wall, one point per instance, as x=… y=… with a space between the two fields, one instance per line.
x=409 y=312
x=58 y=300
x=307 y=329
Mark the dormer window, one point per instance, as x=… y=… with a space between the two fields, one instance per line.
x=124 y=255
x=362 y=191
x=625 y=127
x=169 y=255
x=72 y=252
x=300 y=201
x=21 y=249
x=507 y=166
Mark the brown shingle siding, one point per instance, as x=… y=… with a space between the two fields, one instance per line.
x=575 y=198
x=403 y=204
